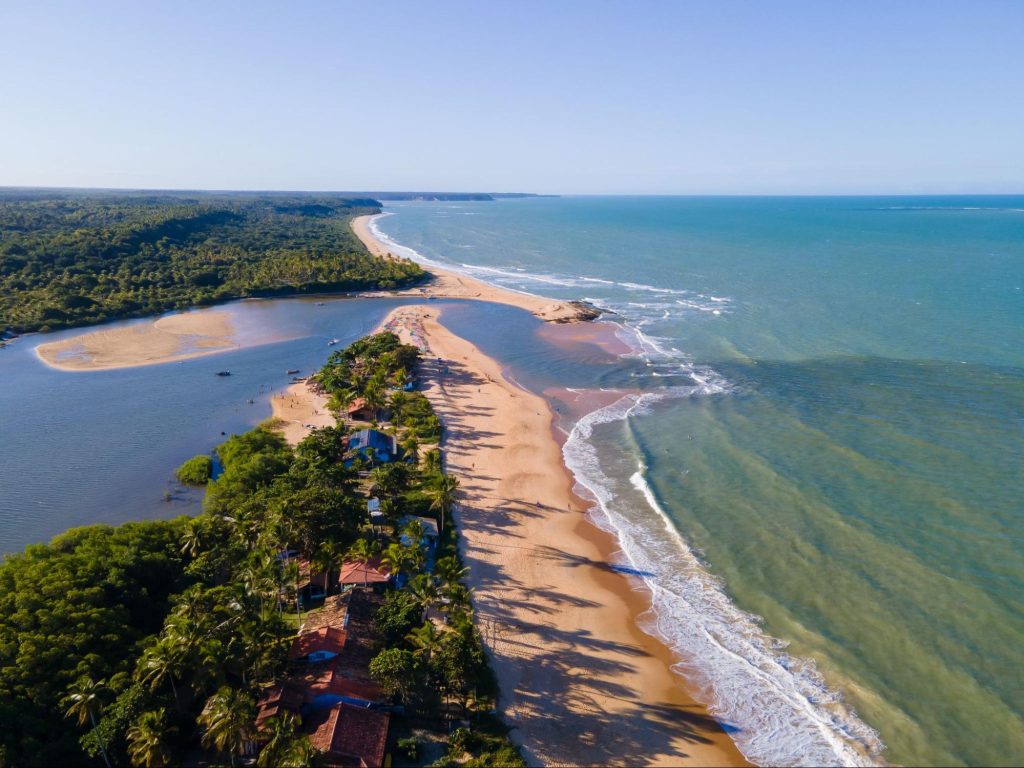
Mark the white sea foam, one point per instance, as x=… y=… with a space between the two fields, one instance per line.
x=782 y=711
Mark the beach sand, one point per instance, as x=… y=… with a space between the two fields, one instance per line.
x=170 y=338
x=451 y=285
x=298 y=410
x=581 y=684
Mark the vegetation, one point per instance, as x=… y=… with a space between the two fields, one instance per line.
x=74 y=615
x=70 y=259
x=157 y=638
x=195 y=471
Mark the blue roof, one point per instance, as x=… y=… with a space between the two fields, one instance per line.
x=370 y=438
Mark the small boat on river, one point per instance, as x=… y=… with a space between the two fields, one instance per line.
x=292 y=371
x=223 y=373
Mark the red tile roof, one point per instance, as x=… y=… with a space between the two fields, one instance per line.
x=283 y=697
x=330 y=639
x=373 y=572
x=350 y=736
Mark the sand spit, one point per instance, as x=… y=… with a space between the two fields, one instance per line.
x=451 y=285
x=581 y=684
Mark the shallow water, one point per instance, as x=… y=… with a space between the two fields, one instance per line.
x=835 y=426
x=101 y=446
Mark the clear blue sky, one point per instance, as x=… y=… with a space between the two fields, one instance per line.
x=547 y=96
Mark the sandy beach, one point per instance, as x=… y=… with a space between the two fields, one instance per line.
x=298 y=410
x=451 y=285
x=581 y=684
x=165 y=340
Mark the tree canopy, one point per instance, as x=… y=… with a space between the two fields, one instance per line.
x=69 y=259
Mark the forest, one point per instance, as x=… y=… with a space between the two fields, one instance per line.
x=154 y=643
x=70 y=259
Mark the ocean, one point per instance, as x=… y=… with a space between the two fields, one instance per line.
x=817 y=453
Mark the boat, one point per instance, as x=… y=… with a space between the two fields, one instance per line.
x=291 y=371
x=319 y=303
x=332 y=342
x=223 y=373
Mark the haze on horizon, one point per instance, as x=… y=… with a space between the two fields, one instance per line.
x=568 y=97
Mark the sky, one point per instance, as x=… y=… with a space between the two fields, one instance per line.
x=549 y=96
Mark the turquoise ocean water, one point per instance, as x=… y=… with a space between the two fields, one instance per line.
x=820 y=457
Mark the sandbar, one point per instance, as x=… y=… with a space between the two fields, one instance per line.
x=165 y=340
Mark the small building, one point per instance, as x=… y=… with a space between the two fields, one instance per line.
x=360 y=411
x=282 y=697
x=318 y=645
x=348 y=735
x=430 y=533
x=370 y=572
x=374 y=445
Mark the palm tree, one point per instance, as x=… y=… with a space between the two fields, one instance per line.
x=83 y=703
x=327 y=557
x=340 y=402
x=395 y=557
x=163 y=661
x=227 y=721
x=425 y=639
x=281 y=741
x=432 y=462
x=422 y=588
x=414 y=532
x=146 y=739
x=444 y=494
x=410 y=445
x=191 y=540
x=291 y=573
x=450 y=571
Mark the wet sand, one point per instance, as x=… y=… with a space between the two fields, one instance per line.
x=581 y=683
x=167 y=339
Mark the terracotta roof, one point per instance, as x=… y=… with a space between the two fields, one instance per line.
x=350 y=736
x=357 y=405
x=330 y=639
x=373 y=572
x=283 y=697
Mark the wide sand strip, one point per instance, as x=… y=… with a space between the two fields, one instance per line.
x=451 y=285
x=580 y=683
x=175 y=337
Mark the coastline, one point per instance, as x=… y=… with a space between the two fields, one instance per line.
x=446 y=284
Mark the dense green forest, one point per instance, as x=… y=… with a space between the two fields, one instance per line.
x=70 y=259
x=153 y=641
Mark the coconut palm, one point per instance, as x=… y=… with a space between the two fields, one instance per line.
x=422 y=588
x=191 y=540
x=283 y=742
x=443 y=493
x=414 y=532
x=425 y=639
x=328 y=557
x=227 y=722
x=164 y=661
x=396 y=558
x=410 y=445
x=83 y=703
x=147 y=745
x=449 y=570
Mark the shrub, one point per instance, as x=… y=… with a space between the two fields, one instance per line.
x=195 y=471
